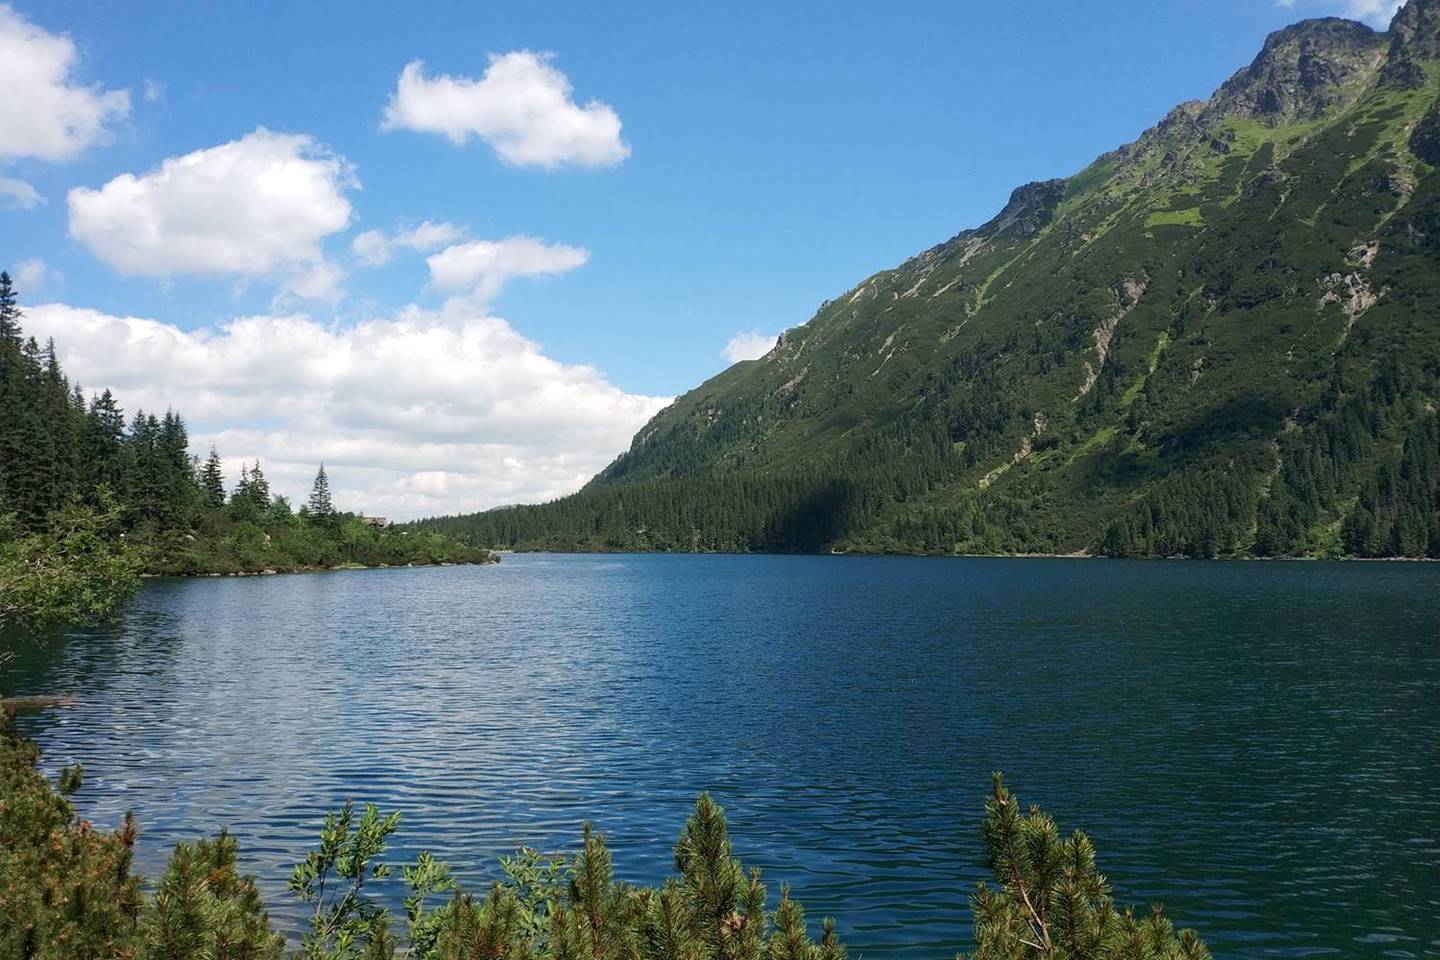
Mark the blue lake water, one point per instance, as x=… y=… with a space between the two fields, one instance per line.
x=1257 y=745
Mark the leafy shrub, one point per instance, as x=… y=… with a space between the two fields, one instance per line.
x=77 y=570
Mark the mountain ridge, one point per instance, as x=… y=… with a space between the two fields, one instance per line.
x=1220 y=339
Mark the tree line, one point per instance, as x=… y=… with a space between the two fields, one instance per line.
x=70 y=462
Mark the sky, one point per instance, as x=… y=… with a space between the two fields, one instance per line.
x=460 y=253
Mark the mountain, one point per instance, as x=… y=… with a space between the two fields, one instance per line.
x=1221 y=339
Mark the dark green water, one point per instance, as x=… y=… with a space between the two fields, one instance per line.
x=1253 y=744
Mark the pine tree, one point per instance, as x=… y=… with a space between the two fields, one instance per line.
x=320 y=508
x=259 y=487
x=251 y=500
x=9 y=388
x=713 y=879
x=1049 y=899
x=103 y=443
x=177 y=492
x=212 y=482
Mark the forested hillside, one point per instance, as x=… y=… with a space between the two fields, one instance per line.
x=61 y=451
x=1222 y=339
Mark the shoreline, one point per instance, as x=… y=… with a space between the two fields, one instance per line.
x=1078 y=555
x=494 y=558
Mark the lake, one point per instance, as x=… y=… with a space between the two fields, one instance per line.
x=1257 y=745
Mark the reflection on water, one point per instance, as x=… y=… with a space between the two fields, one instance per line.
x=1253 y=744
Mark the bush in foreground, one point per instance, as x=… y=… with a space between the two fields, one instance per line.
x=76 y=570
x=67 y=892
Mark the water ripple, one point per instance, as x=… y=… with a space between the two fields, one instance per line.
x=1255 y=745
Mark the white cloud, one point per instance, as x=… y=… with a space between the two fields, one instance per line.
x=320 y=281
x=35 y=274
x=1377 y=13
x=485 y=266
x=154 y=90
x=374 y=247
x=522 y=107
x=44 y=113
x=425 y=412
x=19 y=194
x=750 y=345
x=251 y=207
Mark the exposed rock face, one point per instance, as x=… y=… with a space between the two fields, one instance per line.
x=1414 y=36
x=1031 y=207
x=1304 y=71
x=1128 y=291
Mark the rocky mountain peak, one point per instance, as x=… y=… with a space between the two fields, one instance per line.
x=1304 y=71
x=1414 y=36
x=1030 y=208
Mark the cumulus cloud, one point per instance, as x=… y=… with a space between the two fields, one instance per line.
x=45 y=113
x=425 y=412
x=375 y=247
x=19 y=194
x=1377 y=13
x=522 y=107
x=750 y=345
x=484 y=266
x=252 y=207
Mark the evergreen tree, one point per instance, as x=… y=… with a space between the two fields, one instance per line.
x=212 y=482
x=320 y=508
x=102 y=442
x=251 y=500
x=1050 y=900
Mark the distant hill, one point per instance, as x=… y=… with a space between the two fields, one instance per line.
x=1221 y=339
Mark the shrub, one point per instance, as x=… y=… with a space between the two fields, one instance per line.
x=67 y=893
x=77 y=570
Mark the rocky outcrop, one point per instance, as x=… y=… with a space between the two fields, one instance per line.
x=1031 y=208
x=1304 y=71
x=1127 y=291
x=1351 y=291
x=1414 y=36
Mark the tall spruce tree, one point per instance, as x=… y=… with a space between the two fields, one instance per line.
x=320 y=508
x=103 y=443
x=10 y=380
x=259 y=487
x=212 y=481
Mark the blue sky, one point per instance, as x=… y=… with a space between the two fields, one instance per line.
x=768 y=156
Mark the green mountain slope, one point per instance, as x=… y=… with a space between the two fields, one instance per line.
x=1221 y=339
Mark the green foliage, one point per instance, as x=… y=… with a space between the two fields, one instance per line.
x=76 y=570
x=320 y=509
x=212 y=482
x=345 y=924
x=67 y=893
x=536 y=880
x=1050 y=901
x=202 y=907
